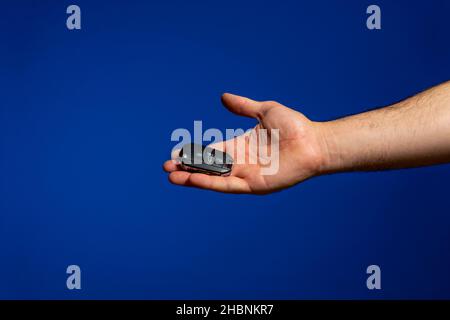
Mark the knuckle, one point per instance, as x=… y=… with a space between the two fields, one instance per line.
x=271 y=103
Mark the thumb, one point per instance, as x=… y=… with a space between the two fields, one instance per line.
x=243 y=106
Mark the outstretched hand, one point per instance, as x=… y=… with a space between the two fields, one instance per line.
x=300 y=151
x=411 y=133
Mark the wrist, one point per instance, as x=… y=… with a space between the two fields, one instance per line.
x=330 y=135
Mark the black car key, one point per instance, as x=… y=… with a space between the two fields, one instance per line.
x=203 y=159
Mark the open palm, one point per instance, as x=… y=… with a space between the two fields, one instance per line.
x=299 y=153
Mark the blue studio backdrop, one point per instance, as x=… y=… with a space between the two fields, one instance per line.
x=85 y=125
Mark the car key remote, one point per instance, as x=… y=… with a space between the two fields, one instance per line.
x=203 y=159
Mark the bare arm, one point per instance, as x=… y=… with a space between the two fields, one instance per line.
x=414 y=132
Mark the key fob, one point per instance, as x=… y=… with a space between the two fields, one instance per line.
x=203 y=159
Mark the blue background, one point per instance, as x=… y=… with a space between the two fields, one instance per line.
x=85 y=125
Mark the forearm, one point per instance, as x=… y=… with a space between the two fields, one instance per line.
x=414 y=132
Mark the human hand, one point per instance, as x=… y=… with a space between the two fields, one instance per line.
x=411 y=133
x=300 y=153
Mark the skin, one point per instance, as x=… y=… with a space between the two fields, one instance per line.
x=411 y=133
